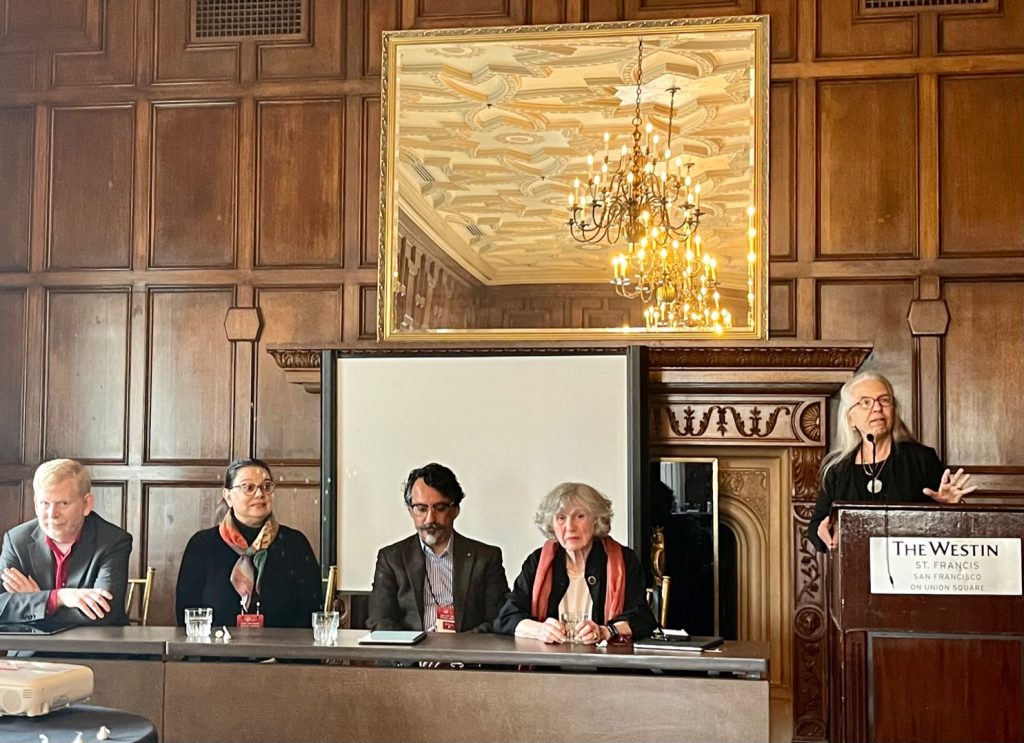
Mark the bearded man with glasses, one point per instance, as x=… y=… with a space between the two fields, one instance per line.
x=436 y=579
x=251 y=570
x=876 y=458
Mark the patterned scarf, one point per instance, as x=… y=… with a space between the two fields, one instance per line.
x=615 y=581
x=246 y=574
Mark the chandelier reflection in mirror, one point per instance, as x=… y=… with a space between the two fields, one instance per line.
x=649 y=201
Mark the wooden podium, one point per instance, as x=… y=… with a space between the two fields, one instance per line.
x=916 y=666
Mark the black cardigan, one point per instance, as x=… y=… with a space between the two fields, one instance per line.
x=290 y=589
x=634 y=607
x=910 y=468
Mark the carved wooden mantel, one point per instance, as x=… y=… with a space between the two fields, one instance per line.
x=770 y=394
x=766 y=396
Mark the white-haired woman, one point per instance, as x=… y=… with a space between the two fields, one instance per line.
x=876 y=458
x=579 y=570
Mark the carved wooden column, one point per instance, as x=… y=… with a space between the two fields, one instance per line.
x=758 y=396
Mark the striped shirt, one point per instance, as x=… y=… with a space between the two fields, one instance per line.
x=437 y=587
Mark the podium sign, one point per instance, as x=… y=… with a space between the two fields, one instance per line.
x=954 y=566
x=937 y=652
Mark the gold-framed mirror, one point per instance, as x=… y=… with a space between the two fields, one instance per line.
x=493 y=225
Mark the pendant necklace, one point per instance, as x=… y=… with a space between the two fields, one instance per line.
x=873 y=471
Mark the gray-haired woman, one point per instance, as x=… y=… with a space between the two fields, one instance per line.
x=579 y=571
x=876 y=458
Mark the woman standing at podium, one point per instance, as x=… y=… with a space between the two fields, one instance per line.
x=877 y=459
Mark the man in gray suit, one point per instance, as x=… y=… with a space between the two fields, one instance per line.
x=67 y=566
x=437 y=579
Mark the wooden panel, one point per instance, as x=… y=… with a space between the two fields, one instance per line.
x=782 y=309
x=191 y=369
x=16 y=71
x=85 y=403
x=298 y=506
x=32 y=25
x=447 y=13
x=299 y=198
x=17 y=142
x=323 y=57
x=104 y=170
x=195 y=184
x=841 y=34
x=374 y=704
x=173 y=515
x=13 y=341
x=109 y=502
x=368 y=312
x=782 y=168
x=783 y=35
x=112 y=28
x=983 y=704
x=642 y=10
x=11 y=498
x=984 y=413
x=990 y=32
x=981 y=165
x=867 y=195
x=177 y=59
x=873 y=311
x=369 y=193
x=135 y=686
x=376 y=16
x=40 y=16
x=288 y=417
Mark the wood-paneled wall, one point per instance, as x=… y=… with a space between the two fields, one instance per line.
x=170 y=205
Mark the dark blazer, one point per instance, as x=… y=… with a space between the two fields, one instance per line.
x=290 y=587
x=911 y=468
x=478 y=585
x=634 y=606
x=98 y=560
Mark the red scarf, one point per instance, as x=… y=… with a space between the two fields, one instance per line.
x=615 y=582
x=248 y=571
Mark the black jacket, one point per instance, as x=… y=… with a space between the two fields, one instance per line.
x=911 y=468
x=290 y=588
x=634 y=607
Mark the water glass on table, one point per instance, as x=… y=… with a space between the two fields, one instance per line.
x=198 y=623
x=570 y=621
x=325 y=627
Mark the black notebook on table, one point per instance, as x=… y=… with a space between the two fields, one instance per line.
x=31 y=629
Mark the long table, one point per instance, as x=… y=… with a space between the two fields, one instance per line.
x=448 y=687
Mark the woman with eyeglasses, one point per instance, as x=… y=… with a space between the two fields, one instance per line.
x=876 y=458
x=251 y=570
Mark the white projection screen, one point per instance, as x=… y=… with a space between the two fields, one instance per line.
x=510 y=427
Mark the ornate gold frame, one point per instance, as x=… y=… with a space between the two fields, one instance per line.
x=387 y=273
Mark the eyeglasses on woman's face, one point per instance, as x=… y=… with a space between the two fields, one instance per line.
x=250 y=488
x=868 y=403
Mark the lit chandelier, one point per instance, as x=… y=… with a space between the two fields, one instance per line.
x=650 y=202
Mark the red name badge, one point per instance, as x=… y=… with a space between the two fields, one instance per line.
x=445 y=619
x=249 y=620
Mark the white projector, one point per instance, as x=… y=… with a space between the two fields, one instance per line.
x=32 y=688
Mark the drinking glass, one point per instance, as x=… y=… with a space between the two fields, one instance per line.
x=325 y=627
x=570 y=621
x=198 y=623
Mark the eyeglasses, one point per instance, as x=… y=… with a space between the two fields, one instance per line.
x=867 y=403
x=250 y=488
x=422 y=509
